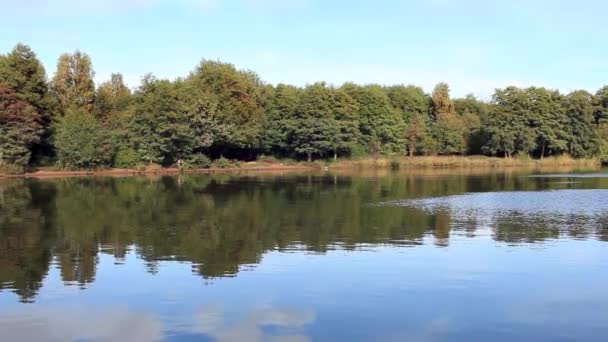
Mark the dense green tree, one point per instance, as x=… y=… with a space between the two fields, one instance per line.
x=20 y=128
x=583 y=139
x=315 y=127
x=380 y=124
x=239 y=101
x=200 y=110
x=549 y=120
x=474 y=114
x=508 y=128
x=448 y=128
x=280 y=121
x=23 y=72
x=158 y=129
x=345 y=122
x=112 y=96
x=416 y=133
x=600 y=102
x=410 y=100
x=81 y=142
x=415 y=108
x=73 y=84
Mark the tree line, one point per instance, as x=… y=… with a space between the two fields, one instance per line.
x=220 y=111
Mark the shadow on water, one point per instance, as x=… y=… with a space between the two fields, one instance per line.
x=219 y=224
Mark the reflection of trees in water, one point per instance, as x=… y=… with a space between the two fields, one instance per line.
x=521 y=228
x=25 y=236
x=219 y=223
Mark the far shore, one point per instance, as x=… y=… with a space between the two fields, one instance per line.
x=341 y=165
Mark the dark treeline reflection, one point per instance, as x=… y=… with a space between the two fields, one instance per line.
x=221 y=222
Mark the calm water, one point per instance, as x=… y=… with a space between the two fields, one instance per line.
x=392 y=257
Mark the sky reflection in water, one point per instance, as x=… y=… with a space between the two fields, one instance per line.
x=304 y=257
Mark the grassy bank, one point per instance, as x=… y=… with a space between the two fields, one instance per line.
x=460 y=162
x=356 y=164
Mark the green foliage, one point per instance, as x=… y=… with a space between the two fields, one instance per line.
x=81 y=142
x=158 y=130
x=531 y=120
x=126 y=158
x=219 y=110
x=20 y=128
x=474 y=114
x=239 y=100
x=395 y=164
x=416 y=133
x=73 y=84
x=381 y=125
x=21 y=71
x=112 y=96
x=326 y=122
x=410 y=101
x=448 y=129
x=223 y=163
x=583 y=139
x=198 y=161
x=279 y=123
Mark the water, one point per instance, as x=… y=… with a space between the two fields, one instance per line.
x=426 y=256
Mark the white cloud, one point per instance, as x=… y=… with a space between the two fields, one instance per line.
x=71 y=324
x=210 y=321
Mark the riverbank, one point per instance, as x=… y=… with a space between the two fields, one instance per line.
x=463 y=162
x=369 y=163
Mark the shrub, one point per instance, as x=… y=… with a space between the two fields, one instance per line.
x=358 y=151
x=198 y=161
x=223 y=163
x=395 y=164
x=12 y=169
x=126 y=158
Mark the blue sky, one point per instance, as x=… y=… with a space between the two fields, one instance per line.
x=473 y=45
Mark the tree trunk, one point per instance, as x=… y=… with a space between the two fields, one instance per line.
x=335 y=155
x=309 y=157
x=542 y=152
x=411 y=150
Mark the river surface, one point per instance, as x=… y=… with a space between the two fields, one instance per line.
x=393 y=256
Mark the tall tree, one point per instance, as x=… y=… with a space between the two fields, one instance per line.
x=280 y=121
x=315 y=125
x=73 y=83
x=158 y=129
x=508 y=128
x=415 y=108
x=410 y=101
x=600 y=102
x=548 y=119
x=380 y=124
x=449 y=129
x=23 y=72
x=442 y=104
x=20 y=128
x=583 y=139
x=345 y=124
x=200 y=110
x=112 y=96
x=240 y=101
x=474 y=114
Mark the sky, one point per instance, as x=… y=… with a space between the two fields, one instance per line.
x=473 y=45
